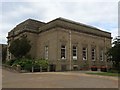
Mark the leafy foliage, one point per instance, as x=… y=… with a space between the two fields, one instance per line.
x=20 y=47
x=27 y=64
x=114 y=53
x=42 y=63
x=10 y=62
x=24 y=63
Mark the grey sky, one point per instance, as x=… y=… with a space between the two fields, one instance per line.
x=99 y=13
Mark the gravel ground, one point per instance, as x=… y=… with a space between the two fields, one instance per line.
x=56 y=80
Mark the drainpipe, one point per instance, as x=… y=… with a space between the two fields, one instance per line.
x=105 y=51
x=70 y=49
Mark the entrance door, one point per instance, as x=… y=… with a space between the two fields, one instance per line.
x=52 y=67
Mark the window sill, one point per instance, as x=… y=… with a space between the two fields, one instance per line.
x=85 y=60
x=63 y=59
x=75 y=59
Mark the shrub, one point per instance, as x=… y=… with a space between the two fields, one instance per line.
x=26 y=64
x=10 y=62
x=42 y=63
x=15 y=63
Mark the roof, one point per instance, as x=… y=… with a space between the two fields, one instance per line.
x=76 y=26
x=29 y=24
x=32 y=25
x=70 y=21
x=77 y=23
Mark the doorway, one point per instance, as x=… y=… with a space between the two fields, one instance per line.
x=52 y=67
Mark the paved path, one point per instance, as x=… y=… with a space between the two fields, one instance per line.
x=56 y=80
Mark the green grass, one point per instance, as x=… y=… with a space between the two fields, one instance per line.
x=104 y=73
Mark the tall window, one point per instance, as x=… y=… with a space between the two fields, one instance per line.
x=63 y=51
x=46 y=52
x=84 y=53
x=93 y=54
x=74 y=52
x=101 y=55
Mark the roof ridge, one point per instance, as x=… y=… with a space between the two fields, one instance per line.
x=78 y=23
x=34 y=20
x=68 y=20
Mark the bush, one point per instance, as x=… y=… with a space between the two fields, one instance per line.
x=15 y=63
x=10 y=62
x=28 y=67
x=41 y=63
x=27 y=64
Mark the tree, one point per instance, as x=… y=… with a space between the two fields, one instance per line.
x=114 y=53
x=20 y=47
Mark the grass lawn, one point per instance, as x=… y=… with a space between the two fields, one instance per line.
x=104 y=73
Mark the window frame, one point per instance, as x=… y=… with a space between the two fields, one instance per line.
x=101 y=55
x=85 y=53
x=63 y=49
x=74 y=57
x=46 y=52
x=93 y=54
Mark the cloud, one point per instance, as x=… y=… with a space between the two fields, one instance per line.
x=114 y=32
x=102 y=14
x=60 y=1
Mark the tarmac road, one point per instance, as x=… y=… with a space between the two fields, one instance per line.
x=56 y=80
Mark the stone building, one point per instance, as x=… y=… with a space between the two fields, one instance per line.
x=68 y=45
x=3 y=52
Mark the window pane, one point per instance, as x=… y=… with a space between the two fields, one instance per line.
x=63 y=51
x=74 y=47
x=74 y=52
x=46 y=52
x=84 y=53
x=93 y=54
x=101 y=55
x=63 y=46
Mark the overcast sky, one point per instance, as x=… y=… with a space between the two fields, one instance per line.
x=102 y=14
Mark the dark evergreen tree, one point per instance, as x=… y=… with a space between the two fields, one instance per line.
x=20 y=47
x=114 y=53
